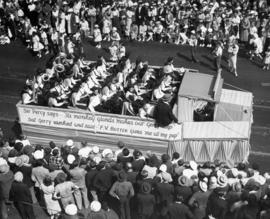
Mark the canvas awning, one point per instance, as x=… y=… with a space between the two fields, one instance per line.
x=201 y=86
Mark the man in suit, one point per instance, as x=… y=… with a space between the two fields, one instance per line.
x=163 y=112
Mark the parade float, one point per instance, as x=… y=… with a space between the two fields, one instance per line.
x=225 y=136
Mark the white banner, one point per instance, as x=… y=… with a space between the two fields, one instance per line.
x=97 y=123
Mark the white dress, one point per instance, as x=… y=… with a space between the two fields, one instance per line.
x=52 y=205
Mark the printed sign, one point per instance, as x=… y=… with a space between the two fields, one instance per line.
x=97 y=123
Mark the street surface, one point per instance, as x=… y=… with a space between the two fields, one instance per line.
x=17 y=63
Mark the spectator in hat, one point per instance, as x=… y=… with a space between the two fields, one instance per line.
x=183 y=188
x=217 y=205
x=95 y=211
x=131 y=174
x=21 y=196
x=193 y=42
x=218 y=51
x=6 y=179
x=26 y=169
x=103 y=180
x=89 y=178
x=164 y=192
x=123 y=191
x=163 y=114
x=70 y=212
x=97 y=37
x=145 y=201
x=232 y=60
x=199 y=199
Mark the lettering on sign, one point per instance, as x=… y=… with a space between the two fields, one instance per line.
x=98 y=123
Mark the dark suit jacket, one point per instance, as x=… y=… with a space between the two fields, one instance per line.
x=177 y=210
x=146 y=204
x=164 y=193
x=163 y=114
x=19 y=192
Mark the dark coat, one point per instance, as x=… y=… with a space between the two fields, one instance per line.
x=5 y=184
x=163 y=114
x=103 y=180
x=216 y=206
x=179 y=210
x=20 y=192
x=146 y=203
x=164 y=193
x=26 y=171
x=184 y=191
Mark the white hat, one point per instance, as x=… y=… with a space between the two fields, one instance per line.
x=114 y=29
x=71 y=209
x=96 y=25
x=69 y=143
x=210 y=30
x=222 y=181
x=3 y=161
x=84 y=152
x=163 y=168
x=193 y=165
x=106 y=152
x=203 y=186
x=96 y=149
x=260 y=179
x=97 y=159
x=39 y=154
x=234 y=172
x=193 y=31
x=71 y=158
x=70 y=10
x=18 y=176
x=95 y=206
x=188 y=173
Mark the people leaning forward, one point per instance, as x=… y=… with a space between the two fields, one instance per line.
x=96 y=183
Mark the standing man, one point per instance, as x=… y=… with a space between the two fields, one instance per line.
x=218 y=51
x=163 y=112
x=193 y=42
x=233 y=51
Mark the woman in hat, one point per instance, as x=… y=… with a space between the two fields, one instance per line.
x=232 y=60
x=97 y=36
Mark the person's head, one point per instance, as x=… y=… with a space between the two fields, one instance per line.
x=175 y=156
x=125 y=152
x=47 y=181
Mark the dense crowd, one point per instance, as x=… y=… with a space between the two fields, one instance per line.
x=56 y=25
x=103 y=184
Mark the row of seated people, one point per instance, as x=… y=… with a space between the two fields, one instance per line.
x=119 y=88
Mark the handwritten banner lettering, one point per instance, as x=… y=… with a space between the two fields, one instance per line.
x=97 y=123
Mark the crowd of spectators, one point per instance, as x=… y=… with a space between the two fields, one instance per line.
x=85 y=181
x=50 y=25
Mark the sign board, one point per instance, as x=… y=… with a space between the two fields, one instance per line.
x=96 y=123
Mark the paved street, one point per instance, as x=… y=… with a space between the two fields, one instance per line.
x=17 y=62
